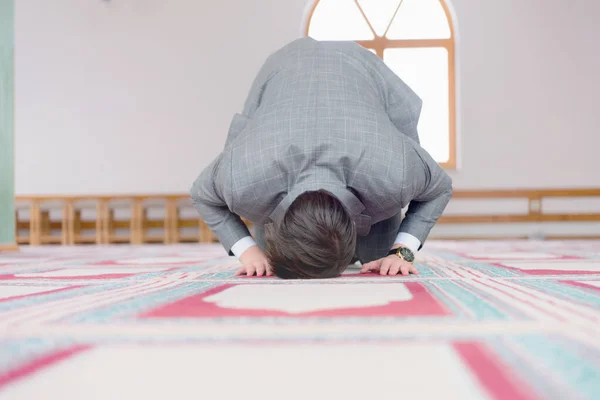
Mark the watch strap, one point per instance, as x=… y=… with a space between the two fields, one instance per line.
x=397 y=252
x=394 y=252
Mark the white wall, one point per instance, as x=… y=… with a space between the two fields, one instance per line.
x=529 y=81
x=135 y=96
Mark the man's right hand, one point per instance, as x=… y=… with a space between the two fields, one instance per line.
x=254 y=262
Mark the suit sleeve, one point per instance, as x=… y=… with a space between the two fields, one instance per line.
x=207 y=194
x=430 y=188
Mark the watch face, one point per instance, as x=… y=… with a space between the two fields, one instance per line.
x=406 y=254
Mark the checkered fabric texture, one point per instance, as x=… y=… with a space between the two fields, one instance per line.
x=482 y=320
x=323 y=116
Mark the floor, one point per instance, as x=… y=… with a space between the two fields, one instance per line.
x=483 y=320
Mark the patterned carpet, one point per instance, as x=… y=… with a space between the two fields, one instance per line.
x=485 y=320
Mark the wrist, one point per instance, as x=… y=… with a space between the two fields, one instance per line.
x=253 y=253
x=407 y=240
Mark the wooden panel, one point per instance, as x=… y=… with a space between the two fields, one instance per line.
x=47 y=226
x=189 y=223
x=82 y=239
x=51 y=239
x=110 y=224
x=166 y=223
x=76 y=227
x=44 y=225
x=188 y=239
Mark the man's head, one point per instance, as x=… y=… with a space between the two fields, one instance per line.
x=315 y=239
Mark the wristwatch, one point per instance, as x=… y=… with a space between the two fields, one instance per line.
x=404 y=253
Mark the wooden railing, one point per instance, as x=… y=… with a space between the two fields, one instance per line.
x=535 y=206
x=70 y=228
x=533 y=211
x=62 y=220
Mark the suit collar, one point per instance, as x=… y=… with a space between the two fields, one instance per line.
x=354 y=206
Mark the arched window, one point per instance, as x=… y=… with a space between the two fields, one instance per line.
x=415 y=38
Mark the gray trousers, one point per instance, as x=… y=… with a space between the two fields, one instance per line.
x=374 y=246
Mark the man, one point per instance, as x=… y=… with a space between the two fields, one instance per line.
x=322 y=160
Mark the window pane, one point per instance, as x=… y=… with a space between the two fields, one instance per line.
x=379 y=13
x=425 y=70
x=420 y=19
x=338 y=20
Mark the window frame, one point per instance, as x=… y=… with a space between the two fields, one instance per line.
x=380 y=43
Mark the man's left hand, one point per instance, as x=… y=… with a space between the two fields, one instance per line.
x=390 y=265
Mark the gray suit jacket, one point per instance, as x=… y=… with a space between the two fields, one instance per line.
x=323 y=115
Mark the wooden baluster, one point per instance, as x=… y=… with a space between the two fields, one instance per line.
x=171 y=222
x=64 y=230
x=136 y=222
x=73 y=224
x=35 y=224
x=102 y=224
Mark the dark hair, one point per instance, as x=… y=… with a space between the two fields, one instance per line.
x=315 y=239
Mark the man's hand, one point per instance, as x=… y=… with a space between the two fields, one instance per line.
x=254 y=261
x=390 y=265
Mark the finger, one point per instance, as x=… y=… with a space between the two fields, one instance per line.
x=269 y=270
x=414 y=270
x=405 y=268
x=395 y=268
x=250 y=270
x=240 y=271
x=374 y=265
x=385 y=266
x=366 y=268
x=371 y=266
x=260 y=269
